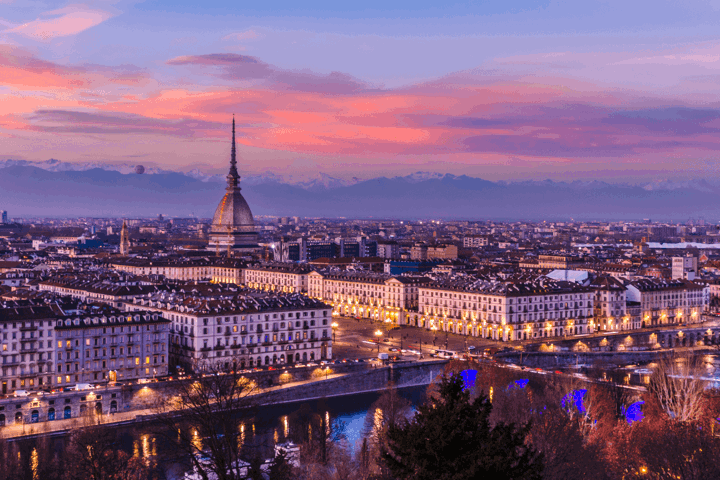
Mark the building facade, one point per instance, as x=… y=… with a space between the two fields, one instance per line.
x=506 y=311
x=112 y=348
x=243 y=329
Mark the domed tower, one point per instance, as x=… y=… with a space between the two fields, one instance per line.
x=233 y=227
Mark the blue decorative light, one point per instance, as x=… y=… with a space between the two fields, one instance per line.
x=574 y=398
x=468 y=377
x=633 y=413
x=518 y=384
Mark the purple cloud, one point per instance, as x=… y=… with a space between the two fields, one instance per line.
x=68 y=121
x=243 y=67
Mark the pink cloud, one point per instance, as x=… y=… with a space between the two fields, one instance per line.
x=67 y=21
x=246 y=35
x=476 y=117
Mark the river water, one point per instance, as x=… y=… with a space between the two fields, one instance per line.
x=270 y=425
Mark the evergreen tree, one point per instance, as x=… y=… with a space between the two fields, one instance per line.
x=450 y=438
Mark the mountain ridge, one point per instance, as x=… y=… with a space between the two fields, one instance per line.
x=33 y=191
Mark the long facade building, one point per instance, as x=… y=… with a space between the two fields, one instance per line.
x=506 y=311
x=242 y=328
x=219 y=271
x=90 y=291
x=375 y=296
x=278 y=277
x=662 y=302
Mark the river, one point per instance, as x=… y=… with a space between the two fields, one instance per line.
x=270 y=425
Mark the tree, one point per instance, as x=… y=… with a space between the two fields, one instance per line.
x=678 y=386
x=94 y=453
x=320 y=439
x=388 y=410
x=202 y=418
x=450 y=437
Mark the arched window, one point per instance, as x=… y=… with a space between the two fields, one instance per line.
x=51 y=414
x=2 y=420
x=267 y=360
x=18 y=417
x=113 y=406
x=34 y=416
x=67 y=413
x=98 y=408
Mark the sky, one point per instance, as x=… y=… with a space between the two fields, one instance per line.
x=612 y=90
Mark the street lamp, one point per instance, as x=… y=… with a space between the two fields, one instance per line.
x=334 y=326
x=434 y=330
x=378 y=334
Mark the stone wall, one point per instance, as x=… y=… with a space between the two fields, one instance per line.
x=84 y=405
x=550 y=360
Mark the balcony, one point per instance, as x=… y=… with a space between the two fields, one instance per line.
x=299 y=340
x=28 y=329
x=219 y=347
x=267 y=344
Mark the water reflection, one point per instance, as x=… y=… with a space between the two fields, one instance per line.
x=257 y=434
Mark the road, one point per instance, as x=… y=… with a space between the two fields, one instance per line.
x=356 y=339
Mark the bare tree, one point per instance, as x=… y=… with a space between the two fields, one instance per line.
x=388 y=411
x=201 y=418
x=679 y=386
x=94 y=453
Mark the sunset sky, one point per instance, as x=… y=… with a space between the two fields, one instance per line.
x=615 y=90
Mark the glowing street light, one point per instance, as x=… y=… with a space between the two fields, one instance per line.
x=378 y=334
x=334 y=326
x=434 y=330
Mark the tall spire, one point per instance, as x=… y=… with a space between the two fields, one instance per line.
x=233 y=176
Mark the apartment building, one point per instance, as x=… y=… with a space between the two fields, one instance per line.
x=242 y=328
x=377 y=296
x=26 y=346
x=278 y=277
x=111 y=347
x=218 y=271
x=611 y=309
x=88 y=290
x=663 y=302
x=476 y=241
x=506 y=311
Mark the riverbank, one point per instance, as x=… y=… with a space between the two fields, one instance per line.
x=370 y=379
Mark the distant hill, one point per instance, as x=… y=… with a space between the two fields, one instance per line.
x=30 y=190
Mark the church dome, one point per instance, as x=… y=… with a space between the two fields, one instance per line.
x=233 y=212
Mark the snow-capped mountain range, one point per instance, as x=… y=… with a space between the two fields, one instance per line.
x=55 y=188
x=323 y=181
